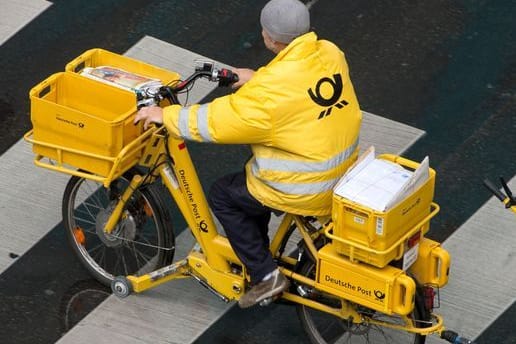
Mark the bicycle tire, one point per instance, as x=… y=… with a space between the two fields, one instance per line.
x=323 y=328
x=141 y=242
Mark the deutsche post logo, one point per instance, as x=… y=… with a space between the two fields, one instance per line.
x=333 y=100
x=380 y=296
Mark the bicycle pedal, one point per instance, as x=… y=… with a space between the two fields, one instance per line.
x=266 y=302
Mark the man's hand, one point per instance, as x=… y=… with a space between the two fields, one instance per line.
x=244 y=75
x=149 y=114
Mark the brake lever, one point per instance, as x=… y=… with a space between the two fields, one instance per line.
x=226 y=77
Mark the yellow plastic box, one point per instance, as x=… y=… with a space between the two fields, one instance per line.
x=83 y=123
x=378 y=237
x=388 y=290
x=99 y=57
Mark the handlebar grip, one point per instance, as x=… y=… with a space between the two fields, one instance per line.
x=226 y=77
x=488 y=184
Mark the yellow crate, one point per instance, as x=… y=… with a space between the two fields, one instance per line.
x=83 y=123
x=388 y=290
x=99 y=57
x=379 y=237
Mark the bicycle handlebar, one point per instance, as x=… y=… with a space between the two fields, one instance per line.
x=224 y=76
x=508 y=198
x=148 y=97
x=494 y=190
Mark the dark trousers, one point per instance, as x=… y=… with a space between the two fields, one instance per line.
x=245 y=221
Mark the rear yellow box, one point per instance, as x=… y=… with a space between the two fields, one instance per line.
x=374 y=237
x=388 y=290
x=81 y=122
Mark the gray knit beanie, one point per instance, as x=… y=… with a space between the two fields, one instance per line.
x=284 y=20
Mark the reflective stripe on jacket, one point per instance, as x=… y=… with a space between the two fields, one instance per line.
x=301 y=117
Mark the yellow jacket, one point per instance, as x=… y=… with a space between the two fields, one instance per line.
x=301 y=117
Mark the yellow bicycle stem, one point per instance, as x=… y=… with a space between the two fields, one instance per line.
x=117 y=212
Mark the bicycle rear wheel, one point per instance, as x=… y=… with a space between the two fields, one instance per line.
x=141 y=242
x=323 y=328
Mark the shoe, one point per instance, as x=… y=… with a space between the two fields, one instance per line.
x=265 y=289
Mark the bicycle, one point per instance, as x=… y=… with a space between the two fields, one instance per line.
x=118 y=226
x=508 y=199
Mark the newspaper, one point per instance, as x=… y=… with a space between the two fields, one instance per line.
x=121 y=78
x=380 y=184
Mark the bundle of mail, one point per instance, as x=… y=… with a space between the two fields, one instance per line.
x=380 y=184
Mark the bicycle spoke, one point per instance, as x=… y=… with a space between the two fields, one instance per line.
x=366 y=336
x=148 y=263
x=145 y=257
x=133 y=247
x=124 y=262
x=117 y=262
x=145 y=242
x=92 y=205
x=90 y=230
x=135 y=254
x=102 y=254
x=78 y=219
x=333 y=331
x=85 y=206
x=92 y=192
x=140 y=255
x=90 y=251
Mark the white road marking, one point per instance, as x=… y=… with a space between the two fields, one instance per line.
x=482 y=279
x=15 y=14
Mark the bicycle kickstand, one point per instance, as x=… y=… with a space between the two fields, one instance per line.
x=453 y=337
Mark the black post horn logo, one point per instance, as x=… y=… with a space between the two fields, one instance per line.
x=379 y=295
x=318 y=98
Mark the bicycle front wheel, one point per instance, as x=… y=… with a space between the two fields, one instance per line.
x=323 y=328
x=141 y=242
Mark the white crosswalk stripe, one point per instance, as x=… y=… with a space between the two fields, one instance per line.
x=16 y=14
x=19 y=190
x=482 y=280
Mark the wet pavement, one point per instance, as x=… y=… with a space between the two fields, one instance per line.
x=447 y=67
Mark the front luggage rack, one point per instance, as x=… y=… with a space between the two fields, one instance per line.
x=119 y=164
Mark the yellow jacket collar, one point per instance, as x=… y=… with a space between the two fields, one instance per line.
x=298 y=48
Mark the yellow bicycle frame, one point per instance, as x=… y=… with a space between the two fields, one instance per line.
x=211 y=261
